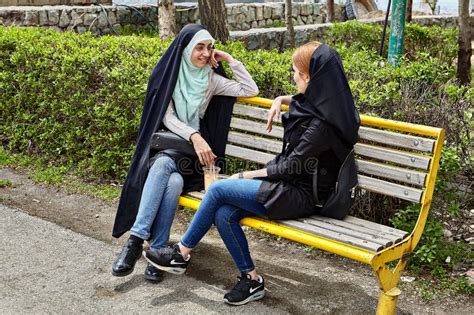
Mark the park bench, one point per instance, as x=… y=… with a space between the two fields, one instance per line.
x=394 y=158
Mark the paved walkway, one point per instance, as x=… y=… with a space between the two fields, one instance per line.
x=46 y=268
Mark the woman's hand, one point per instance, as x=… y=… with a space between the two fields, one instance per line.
x=274 y=112
x=203 y=150
x=219 y=55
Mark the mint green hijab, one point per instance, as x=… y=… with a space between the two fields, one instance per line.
x=192 y=83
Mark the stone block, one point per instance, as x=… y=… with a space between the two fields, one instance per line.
x=240 y=18
x=269 y=22
x=112 y=17
x=304 y=9
x=76 y=19
x=250 y=16
x=254 y=24
x=43 y=17
x=231 y=19
x=81 y=29
x=102 y=21
x=53 y=17
x=299 y=21
x=304 y=19
x=89 y=18
x=317 y=9
x=259 y=12
x=245 y=26
x=278 y=13
x=31 y=18
x=64 y=19
x=318 y=19
x=194 y=16
x=310 y=20
x=262 y=23
x=295 y=10
x=267 y=11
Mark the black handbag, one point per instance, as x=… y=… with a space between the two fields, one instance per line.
x=342 y=198
x=167 y=140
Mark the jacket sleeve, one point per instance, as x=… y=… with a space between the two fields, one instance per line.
x=312 y=143
x=172 y=122
x=245 y=86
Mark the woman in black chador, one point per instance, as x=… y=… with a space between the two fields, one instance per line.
x=322 y=123
x=189 y=95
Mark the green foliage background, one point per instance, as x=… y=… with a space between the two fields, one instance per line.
x=76 y=100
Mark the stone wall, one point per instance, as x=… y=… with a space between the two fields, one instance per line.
x=51 y=2
x=276 y=37
x=96 y=18
x=242 y=16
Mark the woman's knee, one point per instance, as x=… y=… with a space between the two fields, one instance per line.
x=175 y=182
x=164 y=162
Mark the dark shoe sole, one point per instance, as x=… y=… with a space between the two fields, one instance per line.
x=152 y=279
x=173 y=270
x=122 y=274
x=255 y=297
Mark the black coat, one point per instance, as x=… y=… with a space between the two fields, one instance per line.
x=214 y=129
x=320 y=129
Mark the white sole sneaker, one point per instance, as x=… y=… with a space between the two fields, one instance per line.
x=173 y=270
x=257 y=296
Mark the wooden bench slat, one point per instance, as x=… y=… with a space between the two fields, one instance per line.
x=248 y=154
x=395 y=173
x=344 y=224
x=394 y=156
x=255 y=142
x=397 y=139
x=253 y=112
x=256 y=127
x=390 y=189
x=342 y=238
x=375 y=226
x=384 y=242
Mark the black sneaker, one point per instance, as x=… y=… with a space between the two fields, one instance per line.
x=246 y=290
x=168 y=259
x=153 y=274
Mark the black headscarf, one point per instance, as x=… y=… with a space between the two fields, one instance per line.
x=213 y=127
x=327 y=97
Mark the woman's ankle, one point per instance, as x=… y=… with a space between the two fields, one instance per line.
x=185 y=251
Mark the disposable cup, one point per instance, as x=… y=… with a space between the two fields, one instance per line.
x=211 y=174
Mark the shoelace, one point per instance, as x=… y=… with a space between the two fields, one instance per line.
x=169 y=251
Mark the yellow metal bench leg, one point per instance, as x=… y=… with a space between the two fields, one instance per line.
x=388 y=301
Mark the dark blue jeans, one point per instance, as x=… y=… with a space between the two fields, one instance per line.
x=224 y=204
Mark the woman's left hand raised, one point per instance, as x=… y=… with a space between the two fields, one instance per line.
x=219 y=55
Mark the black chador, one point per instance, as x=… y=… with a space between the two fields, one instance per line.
x=214 y=129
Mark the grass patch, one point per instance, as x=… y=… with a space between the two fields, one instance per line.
x=60 y=176
x=5 y=183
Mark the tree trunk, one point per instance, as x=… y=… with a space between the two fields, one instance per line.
x=464 y=40
x=289 y=24
x=214 y=18
x=166 y=19
x=330 y=9
x=409 y=10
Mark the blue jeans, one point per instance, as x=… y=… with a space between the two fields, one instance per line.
x=223 y=205
x=160 y=195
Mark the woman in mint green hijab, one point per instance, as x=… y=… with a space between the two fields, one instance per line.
x=147 y=207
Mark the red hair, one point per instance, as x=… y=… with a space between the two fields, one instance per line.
x=302 y=56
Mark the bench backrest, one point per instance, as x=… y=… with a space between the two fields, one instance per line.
x=394 y=158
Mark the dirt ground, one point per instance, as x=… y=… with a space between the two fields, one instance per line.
x=298 y=282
